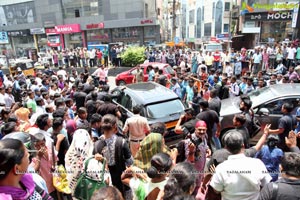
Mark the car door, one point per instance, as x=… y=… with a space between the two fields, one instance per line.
x=130 y=76
x=274 y=109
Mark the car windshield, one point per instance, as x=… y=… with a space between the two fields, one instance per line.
x=169 y=70
x=261 y=95
x=164 y=109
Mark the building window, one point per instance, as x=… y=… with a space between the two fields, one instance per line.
x=158 y=11
x=198 y=29
x=82 y=8
x=227 y=6
x=192 y=16
x=146 y=10
x=226 y=28
x=213 y=10
x=202 y=13
x=207 y=29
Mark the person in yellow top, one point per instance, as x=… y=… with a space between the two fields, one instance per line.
x=209 y=60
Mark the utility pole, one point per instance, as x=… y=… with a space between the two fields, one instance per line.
x=174 y=21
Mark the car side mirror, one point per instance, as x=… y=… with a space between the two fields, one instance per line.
x=263 y=112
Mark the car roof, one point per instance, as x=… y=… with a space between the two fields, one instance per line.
x=149 y=92
x=261 y=96
x=273 y=92
x=154 y=64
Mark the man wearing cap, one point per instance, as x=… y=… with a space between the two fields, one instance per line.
x=211 y=119
x=194 y=149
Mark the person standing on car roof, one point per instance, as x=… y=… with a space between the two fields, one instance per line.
x=138 y=128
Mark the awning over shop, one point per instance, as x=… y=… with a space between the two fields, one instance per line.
x=172 y=44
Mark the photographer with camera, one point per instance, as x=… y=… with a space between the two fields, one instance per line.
x=194 y=149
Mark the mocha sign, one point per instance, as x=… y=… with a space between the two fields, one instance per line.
x=269 y=16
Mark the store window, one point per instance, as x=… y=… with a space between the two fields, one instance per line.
x=149 y=31
x=275 y=31
x=101 y=35
x=129 y=32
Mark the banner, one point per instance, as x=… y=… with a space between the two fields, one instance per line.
x=4 y=38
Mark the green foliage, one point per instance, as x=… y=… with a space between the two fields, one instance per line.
x=133 y=56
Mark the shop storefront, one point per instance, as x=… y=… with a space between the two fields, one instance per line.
x=275 y=26
x=40 y=38
x=66 y=36
x=20 y=41
x=73 y=36
x=96 y=34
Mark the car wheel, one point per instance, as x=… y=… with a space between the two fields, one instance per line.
x=122 y=83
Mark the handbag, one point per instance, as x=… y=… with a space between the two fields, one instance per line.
x=86 y=186
x=60 y=181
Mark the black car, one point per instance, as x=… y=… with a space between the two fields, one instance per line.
x=159 y=104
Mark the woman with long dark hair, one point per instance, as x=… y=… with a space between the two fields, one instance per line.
x=15 y=182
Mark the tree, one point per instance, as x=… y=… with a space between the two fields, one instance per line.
x=133 y=56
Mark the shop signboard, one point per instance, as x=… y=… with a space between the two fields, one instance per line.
x=67 y=28
x=95 y=26
x=53 y=40
x=50 y=31
x=4 y=37
x=222 y=36
x=147 y=21
x=18 y=33
x=36 y=31
x=269 y=16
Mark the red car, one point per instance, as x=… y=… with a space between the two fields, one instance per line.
x=127 y=76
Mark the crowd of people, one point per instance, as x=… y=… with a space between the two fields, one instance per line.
x=69 y=121
x=80 y=57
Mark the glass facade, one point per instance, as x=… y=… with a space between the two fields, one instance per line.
x=276 y=31
x=126 y=33
x=99 y=35
x=21 y=13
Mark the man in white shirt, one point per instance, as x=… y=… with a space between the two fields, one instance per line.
x=2 y=93
x=239 y=177
x=62 y=72
x=291 y=55
x=9 y=98
x=92 y=56
x=257 y=57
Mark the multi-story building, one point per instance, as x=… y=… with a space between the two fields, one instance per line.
x=204 y=19
x=266 y=21
x=78 y=23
